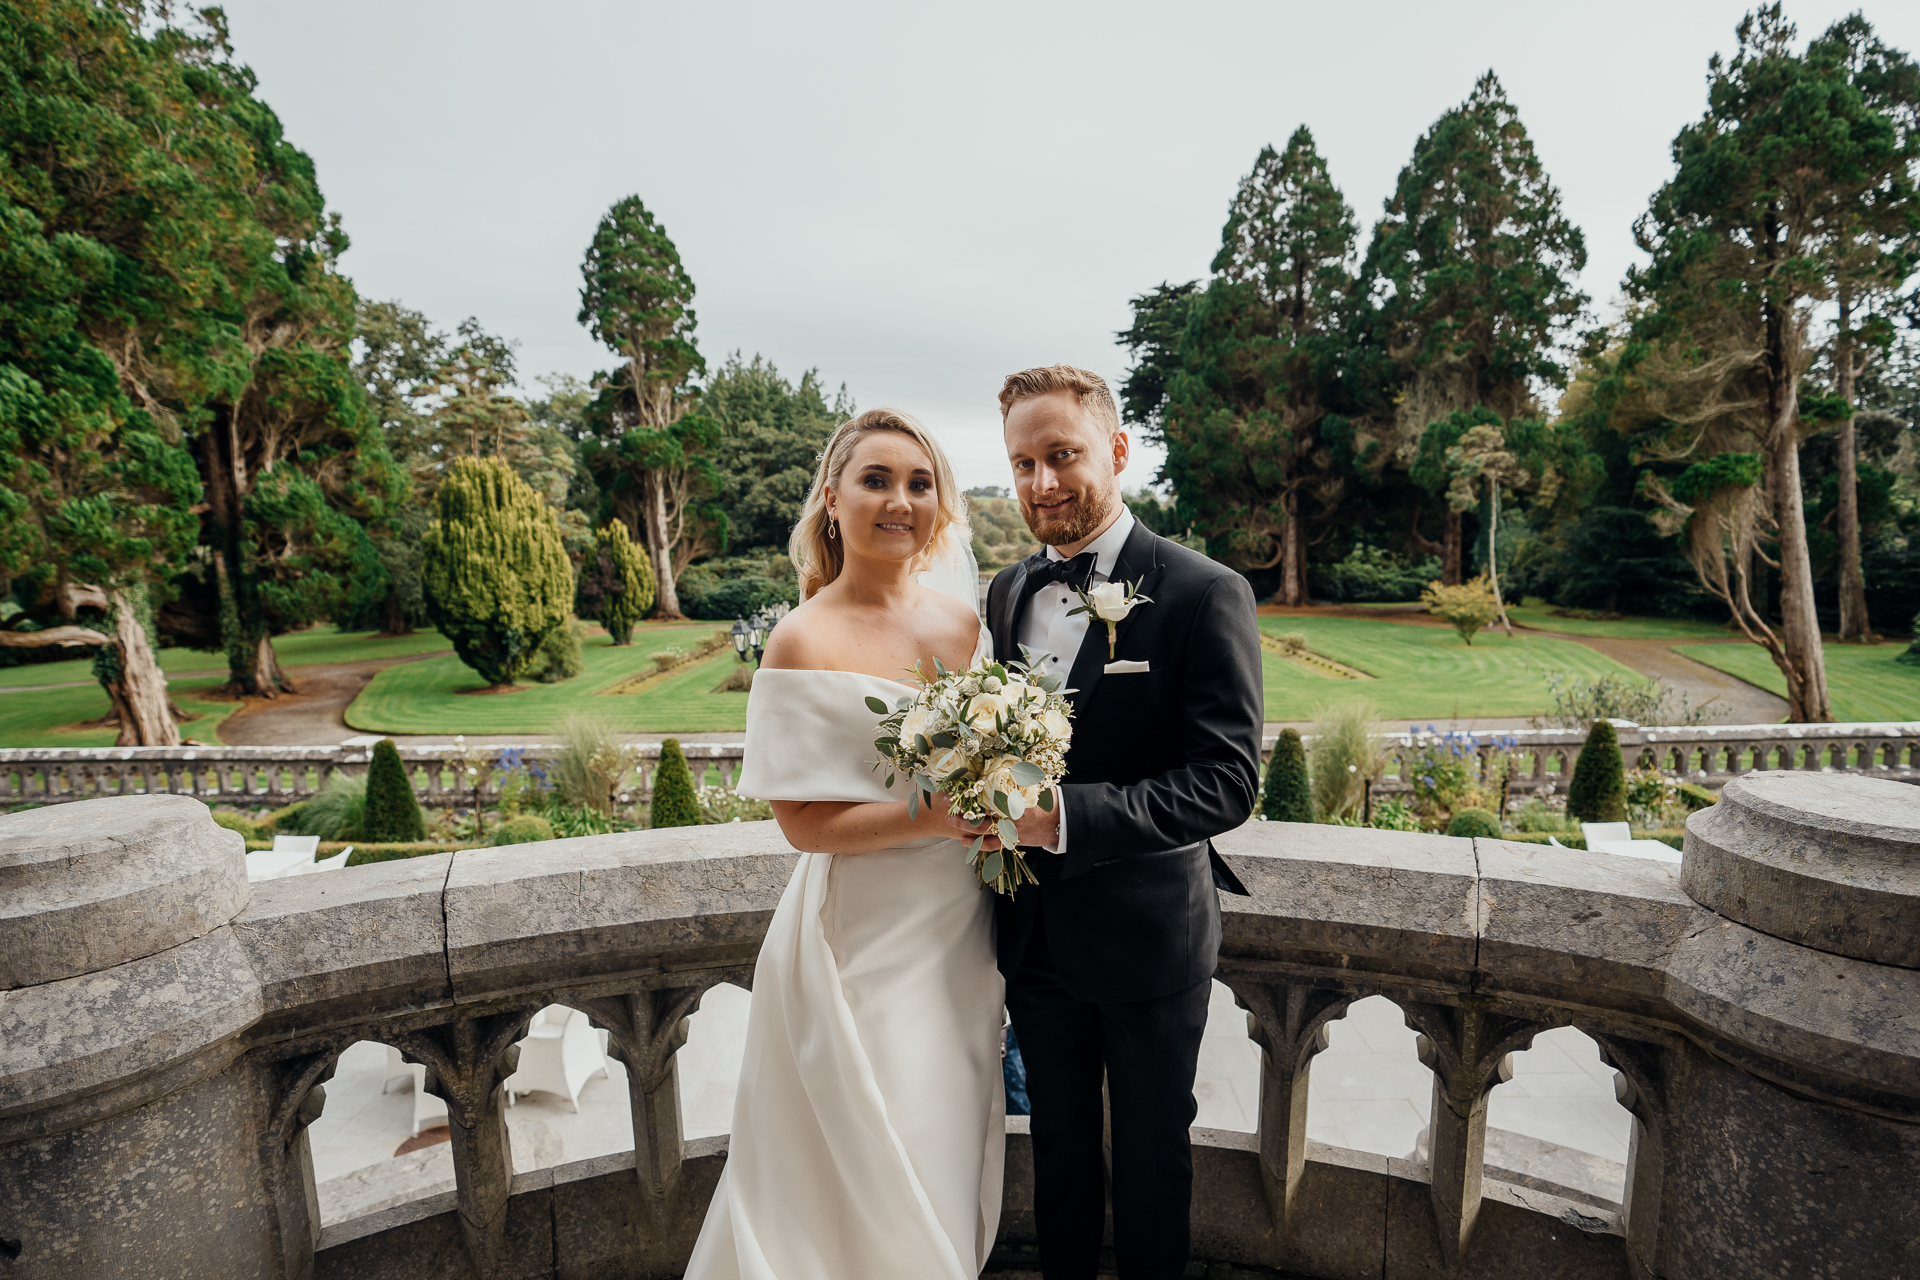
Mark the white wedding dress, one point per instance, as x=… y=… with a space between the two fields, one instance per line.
x=869 y=1127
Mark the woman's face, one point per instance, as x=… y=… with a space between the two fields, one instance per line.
x=886 y=502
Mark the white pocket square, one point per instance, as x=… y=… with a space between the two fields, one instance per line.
x=1124 y=668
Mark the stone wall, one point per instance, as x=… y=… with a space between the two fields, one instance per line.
x=165 y=1038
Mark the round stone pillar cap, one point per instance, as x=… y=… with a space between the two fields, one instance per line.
x=1827 y=860
x=96 y=883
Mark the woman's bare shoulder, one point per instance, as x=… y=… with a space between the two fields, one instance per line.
x=803 y=641
x=958 y=623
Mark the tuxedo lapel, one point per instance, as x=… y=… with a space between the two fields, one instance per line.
x=1007 y=626
x=1138 y=559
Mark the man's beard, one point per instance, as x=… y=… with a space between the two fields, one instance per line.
x=1089 y=512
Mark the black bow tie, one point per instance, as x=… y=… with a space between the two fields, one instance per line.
x=1042 y=570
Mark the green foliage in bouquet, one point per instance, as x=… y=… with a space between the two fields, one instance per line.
x=1288 y=796
x=1598 y=791
x=494 y=570
x=392 y=814
x=674 y=802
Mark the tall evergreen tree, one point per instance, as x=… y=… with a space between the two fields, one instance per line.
x=1472 y=276
x=636 y=299
x=1235 y=378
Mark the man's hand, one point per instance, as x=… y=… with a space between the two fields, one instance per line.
x=1038 y=828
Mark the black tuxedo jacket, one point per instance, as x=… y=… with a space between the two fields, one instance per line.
x=1161 y=762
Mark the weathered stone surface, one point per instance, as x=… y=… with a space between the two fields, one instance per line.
x=1824 y=860
x=338 y=946
x=1560 y=921
x=611 y=904
x=167 y=1190
x=87 y=886
x=117 y=1030
x=1388 y=901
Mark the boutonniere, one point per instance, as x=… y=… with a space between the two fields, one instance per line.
x=1110 y=602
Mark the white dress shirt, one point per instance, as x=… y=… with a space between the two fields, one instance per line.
x=1046 y=629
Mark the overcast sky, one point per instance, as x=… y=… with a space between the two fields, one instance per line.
x=916 y=200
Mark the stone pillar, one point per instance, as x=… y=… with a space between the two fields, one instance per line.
x=130 y=1127
x=1289 y=1023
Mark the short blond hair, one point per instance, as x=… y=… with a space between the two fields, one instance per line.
x=1089 y=388
x=818 y=558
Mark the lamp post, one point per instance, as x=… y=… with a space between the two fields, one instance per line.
x=738 y=634
x=757 y=636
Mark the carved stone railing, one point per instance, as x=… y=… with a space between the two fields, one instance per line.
x=166 y=1032
x=282 y=775
x=1711 y=755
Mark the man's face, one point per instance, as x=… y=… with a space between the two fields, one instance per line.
x=1066 y=468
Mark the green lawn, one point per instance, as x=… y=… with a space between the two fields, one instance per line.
x=37 y=719
x=1540 y=617
x=319 y=644
x=421 y=697
x=1864 y=680
x=1422 y=673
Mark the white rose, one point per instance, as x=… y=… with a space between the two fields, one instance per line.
x=919 y=716
x=946 y=762
x=984 y=710
x=1109 y=600
x=999 y=777
x=1055 y=722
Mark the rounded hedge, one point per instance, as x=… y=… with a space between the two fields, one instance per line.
x=1288 y=795
x=525 y=829
x=1475 y=823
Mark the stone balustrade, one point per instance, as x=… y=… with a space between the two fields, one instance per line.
x=1711 y=755
x=282 y=775
x=167 y=1031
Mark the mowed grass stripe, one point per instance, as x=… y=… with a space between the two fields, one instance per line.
x=37 y=718
x=302 y=648
x=421 y=697
x=1423 y=673
x=1863 y=680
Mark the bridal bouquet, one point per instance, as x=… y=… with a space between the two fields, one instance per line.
x=992 y=737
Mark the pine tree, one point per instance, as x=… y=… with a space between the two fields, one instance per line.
x=616 y=584
x=1598 y=790
x=635 y=298
x=674 y=804
x=1474 y=267
x=1288 y=795
x=494 y=572
x=393 y=812
x=1235 y=378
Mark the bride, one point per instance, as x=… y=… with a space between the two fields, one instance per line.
x=869 y=1124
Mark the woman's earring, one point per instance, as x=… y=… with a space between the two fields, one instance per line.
x=833 y=527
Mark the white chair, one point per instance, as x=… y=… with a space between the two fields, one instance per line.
x=427 y=1109
x=334 y=863
x=288 y=852
x=561 y=1052
x=1617 y=838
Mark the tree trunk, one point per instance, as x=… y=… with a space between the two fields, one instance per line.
x=654 y=511
x=1300 y=557
x=139 y=691
x=396 y=621
x=1293 y=586
x=1805 y=667
x=1493 y=553
x=1450 y=549
x=1853 y=585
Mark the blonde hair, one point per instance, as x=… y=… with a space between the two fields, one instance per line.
x=817 y=558
x=1090 y=389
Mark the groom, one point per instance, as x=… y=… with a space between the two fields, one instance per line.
x=1109 y=959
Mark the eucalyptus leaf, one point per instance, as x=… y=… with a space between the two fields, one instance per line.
x=876 y=706
x=1015 y=806
x=905 y=703
x=1000 y=801
x=1009 y=836
x=1046 y=800
x=945 y=739
x=889 y=781
x=913 y=805
x=921 y=744
x=990 y=868
x=1027 y=774
x=973 y=850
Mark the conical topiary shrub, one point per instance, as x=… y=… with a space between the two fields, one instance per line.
x=393 y=813
x=674 y=804
x=1288 y=796
x=1598 y=791
x=493 y=570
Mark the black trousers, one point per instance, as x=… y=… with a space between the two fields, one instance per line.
x=1149 y=1051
